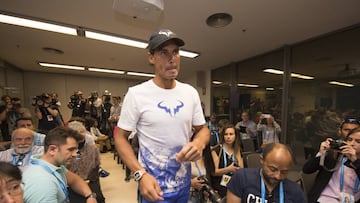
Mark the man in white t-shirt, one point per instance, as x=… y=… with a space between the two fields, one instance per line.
x=166 y=114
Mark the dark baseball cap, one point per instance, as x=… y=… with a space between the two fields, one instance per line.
x=162 y=36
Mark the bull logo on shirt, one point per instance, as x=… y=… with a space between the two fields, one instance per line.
x=171 y=109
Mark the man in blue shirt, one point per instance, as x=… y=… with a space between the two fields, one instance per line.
x=46 y=179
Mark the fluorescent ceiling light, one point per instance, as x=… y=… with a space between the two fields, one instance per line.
x=52 y=65
x=274 y=71
x=141 y=74
x=247 y=85
x=114 y=39
x=106 y=70
x=294 y=75
x=269 y=89
x=37 y=24
x=216 y=82
x=341 y=84
x=188 y=54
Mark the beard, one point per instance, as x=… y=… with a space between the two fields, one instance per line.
x=22 y=149
x=270 y=181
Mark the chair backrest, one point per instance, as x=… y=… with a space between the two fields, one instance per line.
x=248 y=145
x=296 y=176
x=253 y=160
x=309 y=180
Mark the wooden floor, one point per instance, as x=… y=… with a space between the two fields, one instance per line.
x=115 y=189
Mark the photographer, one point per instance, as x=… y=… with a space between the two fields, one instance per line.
x=270 y=129
x=45 y=114
x=55 y=104
x=77 y=103
x=339 y=167
x=201 y=190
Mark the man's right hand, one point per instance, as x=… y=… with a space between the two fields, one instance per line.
x=150 y=189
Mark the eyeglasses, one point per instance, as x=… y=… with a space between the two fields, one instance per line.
x=349 y=120
x=19 y=162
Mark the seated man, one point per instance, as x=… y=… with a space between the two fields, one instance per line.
x=269 y=183
x=330 y=184
x=22 y=148
x=26 y=122
x=47 y=179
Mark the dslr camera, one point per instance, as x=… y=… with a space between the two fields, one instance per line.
x=336 y=144
x=214 y=197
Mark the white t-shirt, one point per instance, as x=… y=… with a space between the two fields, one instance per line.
x=163 y=119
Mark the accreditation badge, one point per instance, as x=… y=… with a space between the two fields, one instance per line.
x=224 y=180
x=346 y=198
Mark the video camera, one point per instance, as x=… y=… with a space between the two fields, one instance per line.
x=336 y=144
x=214 y=197
x=39 y=100
x=74 y=101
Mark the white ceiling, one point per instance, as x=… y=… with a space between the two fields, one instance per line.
x=258 y=26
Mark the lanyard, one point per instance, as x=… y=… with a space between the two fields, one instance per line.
x=217 y=137
x=62 y=184
x=225 y=159
x=263 y=192
x=357 y=182
x=15 y=162
x=198 y=168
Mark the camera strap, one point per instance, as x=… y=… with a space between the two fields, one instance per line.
x=338 y=162
x=357 y=182
x=198 y=168
x=263 y=191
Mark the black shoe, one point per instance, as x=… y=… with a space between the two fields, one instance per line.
x=103 y=173
x=127 y=178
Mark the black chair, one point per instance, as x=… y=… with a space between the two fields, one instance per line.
x=253 y=160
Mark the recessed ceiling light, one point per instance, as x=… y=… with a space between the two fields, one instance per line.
x=218 y=20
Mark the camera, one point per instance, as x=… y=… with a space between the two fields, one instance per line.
x=214 y=197
x=39 y=100
x=75 y=101
x=336 y=144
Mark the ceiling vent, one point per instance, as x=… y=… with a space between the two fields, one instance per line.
x=150 y=10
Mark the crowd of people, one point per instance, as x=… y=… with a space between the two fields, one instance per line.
x=44 y=148
x=180 y=157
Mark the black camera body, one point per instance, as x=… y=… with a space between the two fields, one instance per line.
x=336 y=144
x=38 y=100
x=214 y=197
x=75 y=101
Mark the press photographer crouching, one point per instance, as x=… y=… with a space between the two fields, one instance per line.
x=338 y=163
x=45 y=113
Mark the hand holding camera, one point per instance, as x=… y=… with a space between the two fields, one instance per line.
x=341 y=146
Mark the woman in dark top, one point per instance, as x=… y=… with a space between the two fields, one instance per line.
x=227 y=159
